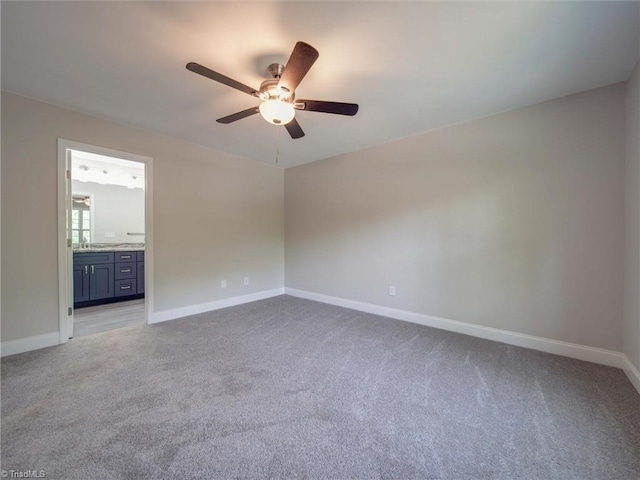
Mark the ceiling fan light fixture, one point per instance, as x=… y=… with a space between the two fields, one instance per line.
x=278 y=93
x=277 y=112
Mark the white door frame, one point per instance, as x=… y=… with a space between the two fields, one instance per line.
x=65 y=250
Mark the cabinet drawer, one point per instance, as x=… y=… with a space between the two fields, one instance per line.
x=125 y=270
x=140 y=277
x=93 y=258
x=125 y=287
x=140 y=256
x=125 y=257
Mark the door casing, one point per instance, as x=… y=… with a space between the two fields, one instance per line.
x=65 y=250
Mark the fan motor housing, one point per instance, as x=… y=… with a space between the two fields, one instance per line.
x=269 y=91
x=269 y=88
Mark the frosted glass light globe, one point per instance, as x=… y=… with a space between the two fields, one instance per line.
x=277 y=112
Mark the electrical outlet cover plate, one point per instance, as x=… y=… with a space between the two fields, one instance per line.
x=392 y=290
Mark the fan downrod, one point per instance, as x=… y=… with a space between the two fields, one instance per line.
x=275 y=70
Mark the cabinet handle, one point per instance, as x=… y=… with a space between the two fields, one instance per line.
x=92 y=270
x=125 y=270
x=125 y=287
x=86 y=269
x=125 y=256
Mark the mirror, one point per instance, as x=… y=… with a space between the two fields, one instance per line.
x=108 y=201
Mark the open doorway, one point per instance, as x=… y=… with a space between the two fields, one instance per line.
x=105 y=235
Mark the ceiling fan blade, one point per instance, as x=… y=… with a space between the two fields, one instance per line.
x=293 y=127
x=218 y=77
x=327 y=107
x=300 y=61
x=239 y=115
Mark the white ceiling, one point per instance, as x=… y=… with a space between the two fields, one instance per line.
x=90 y=167
x=412 y=67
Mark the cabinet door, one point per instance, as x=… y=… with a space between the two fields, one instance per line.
x=140 y=275
x=102 y=281
x=80 y=283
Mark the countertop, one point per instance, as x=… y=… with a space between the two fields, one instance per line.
x=115 y=247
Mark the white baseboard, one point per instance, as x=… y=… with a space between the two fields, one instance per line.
x=30 y=343
x=557 y=347
x=174 y=313
x=632 y=372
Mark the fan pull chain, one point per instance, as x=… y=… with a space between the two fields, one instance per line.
x=277 y=146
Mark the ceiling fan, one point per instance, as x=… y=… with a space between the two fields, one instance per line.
x=279 y=105
x=84 y=200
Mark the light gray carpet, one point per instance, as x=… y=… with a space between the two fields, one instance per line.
x=288 y=388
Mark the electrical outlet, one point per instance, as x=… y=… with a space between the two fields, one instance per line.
x=223 y=284
x=246 y=280
x=392 y=290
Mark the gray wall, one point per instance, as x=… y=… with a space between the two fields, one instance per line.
x=513 y=221
x=216 y=216
x=631 y=333
x=116 y=209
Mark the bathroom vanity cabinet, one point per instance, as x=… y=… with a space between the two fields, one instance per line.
x=107 y=276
